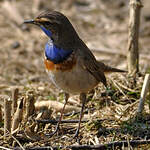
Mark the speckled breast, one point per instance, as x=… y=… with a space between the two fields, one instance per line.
x=70 y=76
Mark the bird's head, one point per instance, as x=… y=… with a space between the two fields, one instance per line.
x=56 y=26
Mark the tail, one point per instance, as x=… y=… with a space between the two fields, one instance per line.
x=111 y=69
x=106 y=68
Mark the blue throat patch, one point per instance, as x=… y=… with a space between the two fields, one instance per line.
x=47 y=32
x=53 y=53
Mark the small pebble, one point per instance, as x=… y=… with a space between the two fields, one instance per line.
x=15 y=45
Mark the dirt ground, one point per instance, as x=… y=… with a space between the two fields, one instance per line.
x=103 y=26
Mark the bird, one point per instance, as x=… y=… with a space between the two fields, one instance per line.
x=70 y=64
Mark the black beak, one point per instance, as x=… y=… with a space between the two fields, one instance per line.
x=29 y=21
x=32 y=21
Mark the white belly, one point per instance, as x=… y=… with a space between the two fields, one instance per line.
x=75 y=81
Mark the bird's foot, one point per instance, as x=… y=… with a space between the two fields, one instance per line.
x=76 y=134
x=76 y=137
x=53 y=133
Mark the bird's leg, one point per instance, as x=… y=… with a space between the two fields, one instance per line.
x=83 y=100
x=61 y=115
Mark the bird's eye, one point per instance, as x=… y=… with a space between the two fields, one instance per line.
x=46 y=23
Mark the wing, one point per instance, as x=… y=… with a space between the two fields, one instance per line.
x=89 y=62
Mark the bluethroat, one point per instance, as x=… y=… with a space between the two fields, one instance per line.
x=69 y=63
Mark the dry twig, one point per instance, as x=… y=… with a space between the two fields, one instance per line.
x=117 y=86
x=145 y=89
x=21 y=147
x=17 y=116
x=4 y=148
x=63 y=121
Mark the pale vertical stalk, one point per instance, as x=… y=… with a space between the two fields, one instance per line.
x=145 y=89
x=15 y=92
x=133 y=37
x=17 y=118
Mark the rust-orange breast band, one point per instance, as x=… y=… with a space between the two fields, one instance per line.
x=64 y=66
